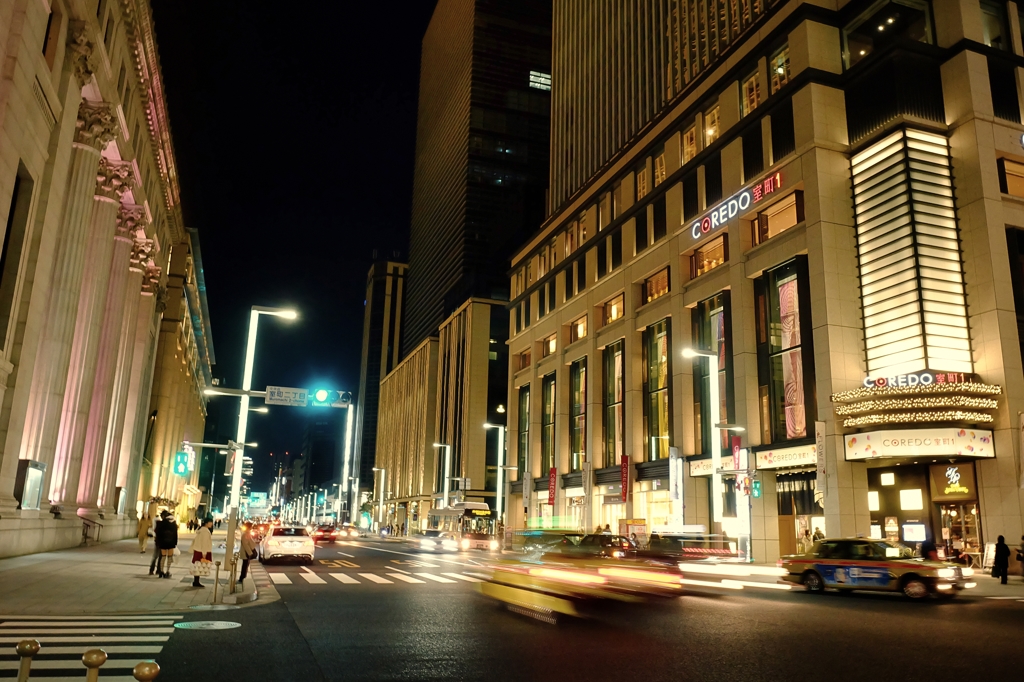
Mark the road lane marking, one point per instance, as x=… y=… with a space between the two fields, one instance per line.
x=344 y=578
x=280 y=578
x=436 y=578
x=350 y=556
x=405 y=578
x=313 y=579
x=76 y=623
x=116 y=649
x=467 y=578
x=433 y=558
x=62 y=664
x=49 y=618
x=396 y=568
x=85 y=638
x=101 y=631
x=376 y=578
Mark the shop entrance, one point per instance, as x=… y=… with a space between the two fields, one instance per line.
x=800 y=517
x=961 y=533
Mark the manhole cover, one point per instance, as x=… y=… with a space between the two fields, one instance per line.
x=208 y=625
x=212 y=607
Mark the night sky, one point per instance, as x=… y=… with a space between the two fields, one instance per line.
x=295 y=135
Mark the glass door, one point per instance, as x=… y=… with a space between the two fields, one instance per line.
x=961 y=532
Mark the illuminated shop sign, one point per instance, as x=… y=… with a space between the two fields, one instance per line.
x=731 y=207
x=804 y=455
x=937 y=442
x=952 y=482
x=925 y=378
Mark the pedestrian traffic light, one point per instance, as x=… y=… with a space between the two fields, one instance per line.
x=326 y=397
x=757 y=488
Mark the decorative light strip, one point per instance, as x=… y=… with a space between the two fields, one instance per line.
x=932 y=389
x=917 y=404
x=919 y=417
x=908 y=256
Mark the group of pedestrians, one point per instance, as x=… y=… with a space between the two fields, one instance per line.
x=165 y=536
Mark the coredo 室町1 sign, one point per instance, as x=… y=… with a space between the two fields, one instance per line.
x=731 y=207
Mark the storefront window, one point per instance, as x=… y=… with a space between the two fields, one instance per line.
x=779 y=217
x=657 y=376
x=711 y=131
x=547 y=424
x=1011 y=177
x=750 y=91
x=656 y=285
x=614 y=309
x=614 y=409
x=577 y=414
x=578 y=329
x=709 y=256
x=712 y=330
x=784 y=354
x=689 y=143
x=523 y=451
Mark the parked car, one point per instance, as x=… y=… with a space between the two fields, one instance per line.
x=288 y=543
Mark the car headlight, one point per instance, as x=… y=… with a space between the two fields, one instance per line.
x=618 y=554
x=494 y=545
x=428 y=544
x=967 y=571
x=465 y=544
x=449 y=544
x=946 y=572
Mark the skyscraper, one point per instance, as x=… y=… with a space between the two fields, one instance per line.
x=481 y=153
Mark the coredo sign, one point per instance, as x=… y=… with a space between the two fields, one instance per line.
x=552 y=482
x=780 y=458
x=922 y=378
x=702 y=467
x=624 y=463
x=731 y=207
x=936 y=442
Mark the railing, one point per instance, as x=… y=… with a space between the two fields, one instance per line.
x=93 y=659
x=88 y=526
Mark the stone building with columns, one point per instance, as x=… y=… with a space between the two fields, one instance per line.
x=825 y=199
x=106 y=347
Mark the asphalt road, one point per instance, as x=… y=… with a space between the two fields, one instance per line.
x=417 y=628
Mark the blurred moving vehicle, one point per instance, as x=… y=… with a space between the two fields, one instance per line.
x=326 y=532
x=877 y=565
x=288 y=543
x=464 y=525
x=604 y=546
x=350 y=531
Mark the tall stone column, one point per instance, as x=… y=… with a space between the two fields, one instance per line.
x=96 y=126
x=113 y=180
x=98 y=470
x=119 y=415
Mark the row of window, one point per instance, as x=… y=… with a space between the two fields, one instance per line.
x=785 y=379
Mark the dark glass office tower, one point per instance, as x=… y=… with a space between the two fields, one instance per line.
x=481 y=153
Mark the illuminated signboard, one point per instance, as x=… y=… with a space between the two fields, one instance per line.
x=933 y=442
x=925 y=378
x=180 y=463
x=731 y=207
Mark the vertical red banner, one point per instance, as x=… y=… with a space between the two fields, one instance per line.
x=625 y=477
x=735 y=453
x=552 y=481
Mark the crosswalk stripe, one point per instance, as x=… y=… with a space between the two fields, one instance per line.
x=124 y=618
x=467 y=578
x=101 y=631
x=280 y=578
x=85 y=638
x=376 y=578
x=77 y=623
x=78 y=678
x=313 y=579
x=436 y=578
x=344 y=578
x=70 y=664
x=115 y=649
x=405 y=578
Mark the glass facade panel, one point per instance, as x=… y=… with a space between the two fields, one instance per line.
x=712 y=330
x=614 y=408
x=778 y=68
x=523 y=450
x=657 y=378
x=577 y=414
x=547 y=424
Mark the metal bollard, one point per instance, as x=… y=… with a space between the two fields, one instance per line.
x=216 y=580
x=26 y=648
x=93 y=659
x=146 y=671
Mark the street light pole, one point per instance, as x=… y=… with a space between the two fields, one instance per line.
x=447 y=471
x=380 y=504
x=499 y=484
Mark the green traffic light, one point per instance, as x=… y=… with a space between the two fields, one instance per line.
x=321 y=395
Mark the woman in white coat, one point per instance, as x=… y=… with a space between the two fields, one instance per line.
x=202 y=551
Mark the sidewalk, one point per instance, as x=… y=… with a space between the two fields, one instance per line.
x=113 y=578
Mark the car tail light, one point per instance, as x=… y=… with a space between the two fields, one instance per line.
x=465 y=544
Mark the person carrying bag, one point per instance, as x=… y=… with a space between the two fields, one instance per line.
x=202 y=552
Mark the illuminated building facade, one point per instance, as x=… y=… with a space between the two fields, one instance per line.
x=827 y=200
x=106 y=345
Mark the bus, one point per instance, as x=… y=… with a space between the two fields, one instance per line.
x=464 y=525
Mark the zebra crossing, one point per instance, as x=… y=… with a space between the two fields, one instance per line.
x=127 y=640
x=384 y=577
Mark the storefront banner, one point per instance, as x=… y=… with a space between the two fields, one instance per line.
x=953 y=482
x=702 y=467
x=552 y=484
x=821 y=482
x=936 y=442
x=625 y=477
x=802 y=455
x=588 y=479
x=527 y=494
x=735 y=453
x=675 y=483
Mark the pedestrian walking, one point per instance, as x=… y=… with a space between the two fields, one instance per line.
x=818 y=535
x=166 y=537
x=144 y=528
x=1001 y=565
x=607 y=529
x=247 y=550
x=202 y=552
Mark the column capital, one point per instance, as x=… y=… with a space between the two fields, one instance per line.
x=151 y=283
x=113 y=178
x=80 y=52
x=97 y=124
x=130 y=218
x=142 y=249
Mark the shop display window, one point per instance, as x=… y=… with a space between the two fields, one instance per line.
x=709 y=256
x=578 y=329
x=549 y=345
x=524 y=431
x=779 y=217
x=614 y=309
x=614 y=402
x=577 y=414
x=547 y=424
x=1011 y=177
x=712 y=330
x=657 y=378
x=655 y=286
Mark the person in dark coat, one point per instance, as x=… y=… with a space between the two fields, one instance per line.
x=1002 y=560
x=166 y=541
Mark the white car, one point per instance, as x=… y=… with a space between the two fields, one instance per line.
x=287 y=543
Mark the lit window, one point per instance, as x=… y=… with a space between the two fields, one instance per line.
x=779 y=217
x=614 y=309
x=779 y=69
x=888 y=479
x=641 y=183
x=617 y=199
x=659 y=167
x=524 y=359
x=709 y=256
x=711 y=130
x=604 y=211
x=873 y=500
x=993 y=22
x=911 y=500
x=549 y=345
x=578 y=329
x=751 y=93
x=1011 y=177
x=540 y=80
x=689 y=143
x=656 y=286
